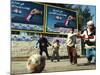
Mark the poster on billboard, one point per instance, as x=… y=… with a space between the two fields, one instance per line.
x=27 y=16
x=60 y=19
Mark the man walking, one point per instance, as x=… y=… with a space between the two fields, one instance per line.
x=90 y=42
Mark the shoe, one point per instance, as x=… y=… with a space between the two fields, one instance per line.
x=58 y=60
x=89 y=62
x=93 y=63
x=72 y=63
x=51 y=60
x=48 y=58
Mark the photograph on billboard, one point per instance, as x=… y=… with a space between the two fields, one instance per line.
x=60 y=19
x=27 y=16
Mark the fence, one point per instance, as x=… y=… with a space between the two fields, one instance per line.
x=27 y=48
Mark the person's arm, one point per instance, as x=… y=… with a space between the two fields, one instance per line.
x=48 y=42
x=59 y=45
x=93 y=39
x=53 y=46
x=79 y=35
x=37 y=43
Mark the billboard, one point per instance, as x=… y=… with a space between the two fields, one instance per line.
x=27 y=15
x=60 y=19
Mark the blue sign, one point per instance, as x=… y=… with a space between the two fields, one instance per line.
x=27 y=15
x=58 y=18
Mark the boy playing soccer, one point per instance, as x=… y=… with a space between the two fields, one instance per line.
x=71 y=41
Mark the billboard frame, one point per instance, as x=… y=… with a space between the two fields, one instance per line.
x=46 y=5
x=37 y=31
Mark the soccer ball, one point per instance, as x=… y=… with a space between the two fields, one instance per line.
x=36 y=63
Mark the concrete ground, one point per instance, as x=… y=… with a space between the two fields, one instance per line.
x=19 y=67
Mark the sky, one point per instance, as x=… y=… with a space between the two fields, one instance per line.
x=93 y=12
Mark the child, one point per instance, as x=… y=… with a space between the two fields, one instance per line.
x=71 y=41
x=55 y=46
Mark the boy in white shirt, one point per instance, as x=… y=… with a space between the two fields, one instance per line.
x=71 y=41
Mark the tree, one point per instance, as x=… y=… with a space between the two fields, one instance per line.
x=86 y=15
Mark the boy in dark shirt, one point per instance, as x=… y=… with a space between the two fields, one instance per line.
x=43 y=44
